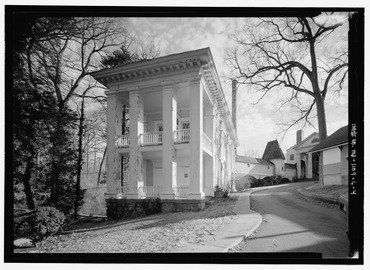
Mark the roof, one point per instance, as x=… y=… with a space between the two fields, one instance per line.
x=273 y=151
x=303 y=141
x=252 y=160
x=180 y=62
x=290 y=166
x=339 y=137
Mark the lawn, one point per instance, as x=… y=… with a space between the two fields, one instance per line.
x=333 y=191
x=155 y=233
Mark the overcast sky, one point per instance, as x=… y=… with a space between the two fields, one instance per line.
x=257 y=124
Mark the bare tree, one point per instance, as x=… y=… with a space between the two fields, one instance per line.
x=65 y=63
x=307 y=57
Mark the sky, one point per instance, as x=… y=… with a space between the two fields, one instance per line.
x=257 y=124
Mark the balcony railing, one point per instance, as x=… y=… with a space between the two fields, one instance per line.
x=123 y=141
x=181 y=192
x=182 y=135
x=151 y=138
x=156 y=138
x=151 y=191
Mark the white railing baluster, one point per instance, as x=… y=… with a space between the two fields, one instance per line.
x=181 y=192
x=123 y=141
x=151 y=138
x=182 y=135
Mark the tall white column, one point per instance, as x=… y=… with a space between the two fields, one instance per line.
x=112 y=163
x=210 y=161
x=196 y=130
x=136 y=158
x=169 y=154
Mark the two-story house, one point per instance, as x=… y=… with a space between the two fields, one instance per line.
x=181 y=140
x=307 y=163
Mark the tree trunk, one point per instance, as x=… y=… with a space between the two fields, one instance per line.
x=101 y=165
x=54 y=181
x=321 y=118
x=79 y=160
x=26 y=184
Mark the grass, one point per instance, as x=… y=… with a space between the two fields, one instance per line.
x=333 y=191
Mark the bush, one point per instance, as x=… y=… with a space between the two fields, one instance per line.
x=45 y=221
x=267 y=181
x=245 y=182
x=221 y=192
x=283 y=181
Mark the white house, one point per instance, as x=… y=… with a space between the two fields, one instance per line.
x=307 y=163
x=181 y=140
x=271 y=164
x=256 y=167
x=335 y=152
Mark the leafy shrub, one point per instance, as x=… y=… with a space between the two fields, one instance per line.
x=283 y=180
x=240 y=186
x=245 y=182
x=268 y=181
x=23 y=224
x=43 y=222
x=221 y=192
x=48 y=221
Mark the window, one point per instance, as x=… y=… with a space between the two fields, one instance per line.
x=291 y=157
x=186 y=172
x=315 y=140
x=185 y=125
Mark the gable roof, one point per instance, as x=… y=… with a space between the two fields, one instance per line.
x=273 y=151
x=305 y=140
x=339 y=137
x=252 y=160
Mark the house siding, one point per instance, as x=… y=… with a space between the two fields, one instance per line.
x=290 y=173
x=256 y=170
x=335 y=169
x=344 y=165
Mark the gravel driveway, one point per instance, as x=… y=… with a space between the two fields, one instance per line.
x=155 y=233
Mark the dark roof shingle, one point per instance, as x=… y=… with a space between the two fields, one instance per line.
x=273 y=151
x=338 y=137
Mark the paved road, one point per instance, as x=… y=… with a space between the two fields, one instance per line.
x=294 y=225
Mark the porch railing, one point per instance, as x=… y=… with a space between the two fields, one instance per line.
x=182 y=135
x=123 y=141
x=151 y=138
x=151 y=191
x=181 y=192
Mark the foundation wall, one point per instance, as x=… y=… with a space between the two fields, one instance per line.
x=129 y=208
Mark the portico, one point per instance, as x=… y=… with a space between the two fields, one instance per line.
x=176 y=110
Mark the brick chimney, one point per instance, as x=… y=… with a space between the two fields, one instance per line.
x=234 y=92
x=299 y=136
